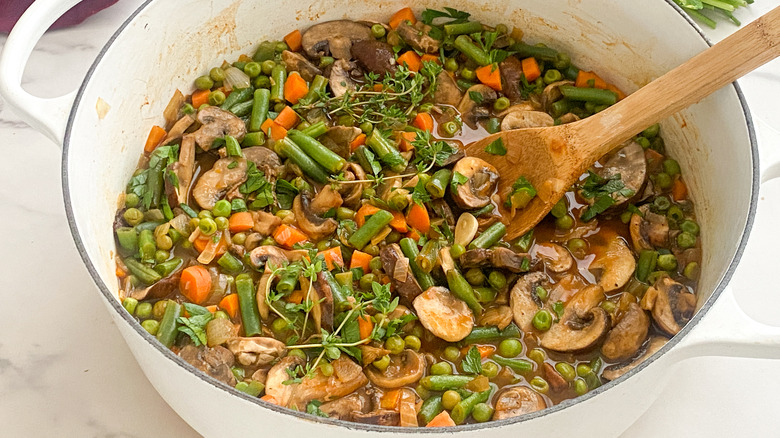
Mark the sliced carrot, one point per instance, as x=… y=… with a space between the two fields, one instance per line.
x=386 y=280
x=288 y=236
x=679 y=190
x=195 y=283
x=229 y=304
x=616 y=90
x=360 y=140
x=287 y=118
x=490 y=75
x=120 y=272
x=296 y=297
x=486 y=351
x=360 y=260
x=200 y=97
x=270 y=399
x=531 y=69
x=378 y=87
x=240 y=221
x=201 y=242
x=588 y=79
x=365 y=210
x=411 y=60
x=430 y=58
x=399 y=222
x=441 y=420
x=295 y=87
x=423 y=121
x=407 y=137
x=413 y=234
x=212 y=308
x=293 y=40
x=156 y=135
x=418 y=218
x=332 y=257
x=273 y=129
x=404 y=14
x=390 y=399
x=365 y=326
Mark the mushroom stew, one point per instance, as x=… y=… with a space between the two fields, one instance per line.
x=304 y=226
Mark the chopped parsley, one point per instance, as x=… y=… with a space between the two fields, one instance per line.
x=451 y=16
x=285 y=194
x=472 y=362
x=602 y=191
x=496 y=147
x=522 y=193
x=195 y=325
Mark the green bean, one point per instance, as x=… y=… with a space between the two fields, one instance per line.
x=437 y=186
x=278 y=76
x=315 y=130
x=551 y=76
x=462 y=289
x=127 y=238
x=409 y=248
x=167 y=267
x=489 y=237
x=365 y=159
x=646 y=264
x=466 y=45
x=242 y=109
x=143 y=272
x=427 y=257
x=518 y=365
x=445 y=381
x=560 y=107
x=260 y=104
x=373 y=225
x=154 y=180
x=462 y=410
x=247 y=303
x=462 y=28
x=230 y=263
x=480 y=335
x=593 y=95
x=484 y=210
x=485 y=294
x=148 y=226
x=524 y=50
x=237 y=96
x=309 y=167
x=316 y=89
x=166 y=333
x=340 y=302
x=571 y=72
x=253 y=139
x=328 y=159
x=386 y=152
x=289 y=279
x=430 y=408
x=232 y=148
x=146 y=245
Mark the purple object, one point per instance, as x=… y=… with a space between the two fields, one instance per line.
x=11 y=10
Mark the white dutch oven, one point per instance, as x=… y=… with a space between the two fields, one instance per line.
x=164 y=44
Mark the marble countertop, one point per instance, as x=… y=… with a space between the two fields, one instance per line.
x=64 y=370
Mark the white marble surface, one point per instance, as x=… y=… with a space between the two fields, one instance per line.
x=65 y=371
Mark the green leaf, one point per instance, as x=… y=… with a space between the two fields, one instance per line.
x=255 y=179
x=420 y=195
x=472 y=362
x=455 y=15
x=558 y=308
x=285 y=194
x=195 y=325
x=313 y=408
x=600 y=206
x=457 y=179
x=476 y=97
x=351 y=330
x=237 y=205
x=496 y=147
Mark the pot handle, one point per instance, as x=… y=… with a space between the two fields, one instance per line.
x=47 y=115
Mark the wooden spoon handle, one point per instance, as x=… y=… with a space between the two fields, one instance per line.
x=745 y=50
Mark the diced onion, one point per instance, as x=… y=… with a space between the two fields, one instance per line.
x=180 y=222
x=235 y=78
x=401 y=269
x=171 y=112
x=210 y=251
x=381 y=235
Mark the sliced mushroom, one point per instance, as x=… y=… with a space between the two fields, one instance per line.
x=184 y=169
x=256 y=351
x=380 y=417
x=482 y=182
x=178 y=128
x=526 y=119
x=625 y=339
x=511 y=70
x=441 y=209
x=277 y=375
x=273 y=257
x=216 y=182
x=326 y=199
x=499 y=316
x=568 y=118
x=648 y=230
x=408 y=288
x=215 y=362
x=615 y=267
x=554 y=378
x=498 y=257
x=322 y=295
x=629 y=163
x=417 y=36
x=524 y=301
x=374 y=56
x=582 y=325
x=443 y=314
x=352 y=193
x=297 y=62
x=265 y=223
x=340 y=80
x=555 y=257
x=347 y=377
x=552 y=93
x=469 y=108
x=345 y=407
x=265 y=159
x=517 y=401
x=217 y=123
x=333 y=38
x=447 y=91
x=371 y=353
x=670 y=303
x=316 y=227
x=615 y=371
x=404 y=369
x=338 y=138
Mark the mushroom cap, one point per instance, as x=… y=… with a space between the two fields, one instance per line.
x=468 y=106
x=482 y=181
x=670 y=304
x=443 y=314
x=615 y=267
x=314 y=226
x=524 y=301
x=374 y=56
x=404 y=369
x=273 y=257
x=625 y=339
x=277 y=375
x=615 y=371
x=256 y=351
x=517 y=401
x=297 y=62
x=416 y=35
x=347 y=377
x=217 y=123
x=409 y=288
x=526 y=119
x=334 y=38
x=511 y=70
x=447 y=91
x=345 y=407
x=217 y=181
x=552 y=93
x=215 y=362
x=499 y=316
x=498 y=257
x=648 y=230
x=555 y=257
x=340 y=80
x=582 y=325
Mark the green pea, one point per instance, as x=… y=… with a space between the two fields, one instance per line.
x=382 y=363
x=279 y=325
x=368 y=193
x=262 y=81
x=412 y=342
x=645 y=143
x=222 y=208
x=475 y=277
x=367 y=127
x=279 y=107
x=366 y=281
x=691 y=270
x=187 y=109
x=510 y=348
x=281 y=46
x=608 y=306
x=584 y=369
x=675 y=213
x=239 y=238
x=671 y=167
x=217 y=74
x=580 y=386
x=542 y=320
x=268 y=241
x=144 y=310
x=663 y=181
x=686 y=240
x=322 y=245
x=452 y=353
x=441 y=368
x=564 y=222
x=267 y=66
x=133 y=216
x=297 y=352
x=132 y=200
x=449 y=399
x=393 y=237
x=164 y=242
x=501 y=103
x=203 y=83
x=207 y=226
x=326 y=61
x=451 y=64
x=457 y=250
x=490 y=369
x=690 y=226
x=467 y=74
x=158 y=310
x=375 y=263
x=253 y=69
x=326 y=368
x=395 y=344
x=450 y=128
x=667 y=262
x=497 y=279
x=541 y=293
x=371 y=250
x=560 y=208
x=151 y=326
x=221 y=314
x=566 y=370
x=577 y=246
x=502 y=29
x=343 y=213
x=540 y=385
x=130 y=304
x=537 y=355
x=161 y=256
x=482 y=412
x=378 y=31
x=651 y=131
x=216 y=97
x=422 y=391
x=662 y=203
x=562 y=61
x=552 y=75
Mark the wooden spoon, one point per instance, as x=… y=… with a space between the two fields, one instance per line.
x=553 y=158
